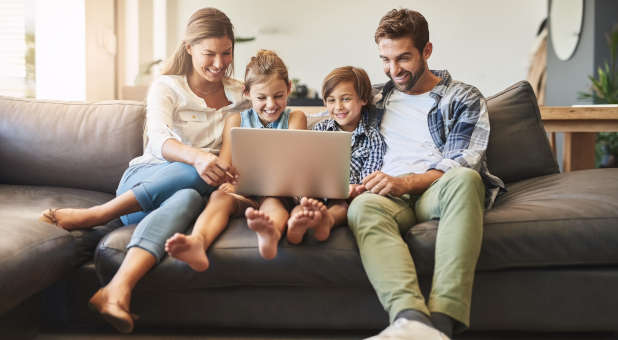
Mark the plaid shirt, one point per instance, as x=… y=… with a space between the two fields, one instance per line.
x=368 y=146
x=459 y=126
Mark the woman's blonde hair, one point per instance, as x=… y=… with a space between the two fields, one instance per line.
x=204 y=23
x=356 y=75
x=263 y=65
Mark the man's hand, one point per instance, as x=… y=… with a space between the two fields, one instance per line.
x=383 y=184
x=356 y=189
x=213 y=170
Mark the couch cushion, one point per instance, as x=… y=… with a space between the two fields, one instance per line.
x=69 y=144
x=34 y=254
x=568 y=219
x=235 y=261
x=518 y=147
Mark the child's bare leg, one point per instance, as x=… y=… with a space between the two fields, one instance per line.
x=302 y=218
x=210 y=224
x=69 y=219
x=334 y=215
x=269 y=224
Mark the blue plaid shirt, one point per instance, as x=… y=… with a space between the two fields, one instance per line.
x=459 y=126
x=368 y=146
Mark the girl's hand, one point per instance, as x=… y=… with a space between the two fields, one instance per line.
x=227 y=187
x=213 y=170
x=356 y=189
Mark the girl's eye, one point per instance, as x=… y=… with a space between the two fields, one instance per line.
x=330 y=101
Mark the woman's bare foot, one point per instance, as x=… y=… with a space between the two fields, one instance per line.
x=325 y=220
x=113 y=305
x=71 y=219
x=268 y=235
x=188 y=249
x=303 y=219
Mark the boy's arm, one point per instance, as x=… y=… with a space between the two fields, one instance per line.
x=298 y=120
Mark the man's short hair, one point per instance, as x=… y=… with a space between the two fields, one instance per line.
x=398 y=23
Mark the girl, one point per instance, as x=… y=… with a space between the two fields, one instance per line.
x=347 y=95
x=162 y=190
x=267 y=86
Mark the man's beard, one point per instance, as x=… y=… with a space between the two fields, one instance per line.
x=412 y=79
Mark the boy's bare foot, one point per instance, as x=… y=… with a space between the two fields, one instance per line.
x=325 y=221
x=307 y=217
x=70 y=219
x=268 y=235
x=188 y=249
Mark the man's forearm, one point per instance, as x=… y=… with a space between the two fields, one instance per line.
x=418 y=183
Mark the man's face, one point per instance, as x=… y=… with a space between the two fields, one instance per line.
x=402 y=62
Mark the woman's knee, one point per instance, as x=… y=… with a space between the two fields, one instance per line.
x=185 y=200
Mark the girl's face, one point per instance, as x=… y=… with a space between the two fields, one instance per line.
x=344 y=105
x=269 y=98
x=211 y=57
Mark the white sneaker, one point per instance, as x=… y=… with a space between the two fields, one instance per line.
x=404 y=329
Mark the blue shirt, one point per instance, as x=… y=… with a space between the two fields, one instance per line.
x=250 y=119
x=368 y=146
x=459 y=127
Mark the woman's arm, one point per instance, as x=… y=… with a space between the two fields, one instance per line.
x=208 y=165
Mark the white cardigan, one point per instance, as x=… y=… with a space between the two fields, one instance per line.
x=173 y=111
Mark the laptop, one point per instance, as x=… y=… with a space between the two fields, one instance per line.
x=273 y=162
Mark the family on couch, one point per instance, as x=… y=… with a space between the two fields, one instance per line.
x=418 y=154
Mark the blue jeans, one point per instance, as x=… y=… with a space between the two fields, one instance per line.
x=170 y=195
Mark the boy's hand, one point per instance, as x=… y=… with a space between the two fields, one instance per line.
x=356 y=189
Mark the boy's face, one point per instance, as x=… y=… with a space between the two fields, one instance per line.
x=269 y=98
x=344 y=105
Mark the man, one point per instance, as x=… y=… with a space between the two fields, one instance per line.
x=436 y=130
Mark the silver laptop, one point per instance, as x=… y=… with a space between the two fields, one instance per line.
x=308 y=163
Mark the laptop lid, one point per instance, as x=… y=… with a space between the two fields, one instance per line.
x=275 y=162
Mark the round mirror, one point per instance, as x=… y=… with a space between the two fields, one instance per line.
x=565 y=25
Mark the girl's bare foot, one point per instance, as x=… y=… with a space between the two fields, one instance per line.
x=113 y=305
x=268 y=235
x=299 y=222
x=70 y=219
x=188 y=249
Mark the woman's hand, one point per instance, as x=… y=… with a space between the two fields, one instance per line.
x=214 y=170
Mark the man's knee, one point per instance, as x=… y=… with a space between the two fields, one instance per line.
x=464 y=178
x=366 y=203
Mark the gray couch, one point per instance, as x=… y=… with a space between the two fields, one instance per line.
x=549 y=260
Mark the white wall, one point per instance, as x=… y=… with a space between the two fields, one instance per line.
x=482 y=42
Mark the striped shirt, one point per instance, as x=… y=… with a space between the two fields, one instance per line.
x=459 y=127
x=368 y=146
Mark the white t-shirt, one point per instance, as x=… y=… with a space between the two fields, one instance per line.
x=173 y=111
x=410 y=148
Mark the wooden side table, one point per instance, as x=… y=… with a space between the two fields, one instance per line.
x=579 y=125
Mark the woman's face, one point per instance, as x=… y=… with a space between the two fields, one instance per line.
x=211 y=57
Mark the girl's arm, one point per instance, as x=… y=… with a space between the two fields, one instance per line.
x=226 y=149
x=298 y=120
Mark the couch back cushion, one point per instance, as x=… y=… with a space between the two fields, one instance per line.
x=518 y=146
x=68 y=144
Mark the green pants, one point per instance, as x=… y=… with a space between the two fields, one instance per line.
x=457 y=200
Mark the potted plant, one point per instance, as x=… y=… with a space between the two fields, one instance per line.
x=604 y=90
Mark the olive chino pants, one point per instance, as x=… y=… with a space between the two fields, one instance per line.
x=378 y=222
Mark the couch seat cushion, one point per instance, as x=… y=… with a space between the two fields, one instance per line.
x=235 y=261
x=568 y=219
x=34 y=254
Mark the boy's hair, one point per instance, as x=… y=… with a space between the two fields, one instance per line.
x=356 y=75
x=398 y=23
x=262 y=66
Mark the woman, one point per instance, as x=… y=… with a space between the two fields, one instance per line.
x=162 y=190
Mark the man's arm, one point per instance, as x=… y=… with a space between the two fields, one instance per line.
x=383 y=184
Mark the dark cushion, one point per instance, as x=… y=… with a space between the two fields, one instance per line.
x=568 y=219
x=34 y=254
x=518 y=147
x=235 y=261
x=68 y=144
